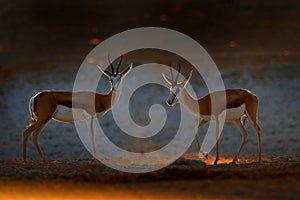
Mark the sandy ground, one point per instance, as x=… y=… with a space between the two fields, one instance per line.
x=254 y=43
x=277 y=177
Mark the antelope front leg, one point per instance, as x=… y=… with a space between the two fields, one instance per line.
x=90 y=122
x=93 y=136
x=217 y=140
x=200 y=152
x=244 y=133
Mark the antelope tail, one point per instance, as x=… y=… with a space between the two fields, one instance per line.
x=33 y=118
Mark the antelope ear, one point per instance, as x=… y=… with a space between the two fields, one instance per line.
x=188 y=78
x=106 y=73
x=166 y=79
x=125 y=71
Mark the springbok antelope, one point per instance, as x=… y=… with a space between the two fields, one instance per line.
x=239 y=103
x=60 y=105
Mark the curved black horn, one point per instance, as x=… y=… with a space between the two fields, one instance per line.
x=177 y=74
x=111 y=66
x=120 y=61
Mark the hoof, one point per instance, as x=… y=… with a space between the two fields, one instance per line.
x=203 y=154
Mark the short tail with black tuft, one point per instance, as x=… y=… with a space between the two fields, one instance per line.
x=31 y=110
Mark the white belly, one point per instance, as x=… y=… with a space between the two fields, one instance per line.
x=231 y=114
x=235 y=113
x=65 y=114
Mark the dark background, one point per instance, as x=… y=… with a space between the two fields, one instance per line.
x=38 y=34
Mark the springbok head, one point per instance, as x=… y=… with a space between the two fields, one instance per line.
x=115 y=77
x=175 y=87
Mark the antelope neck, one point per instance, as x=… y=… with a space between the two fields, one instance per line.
x=115 y=95
x=189 y=102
